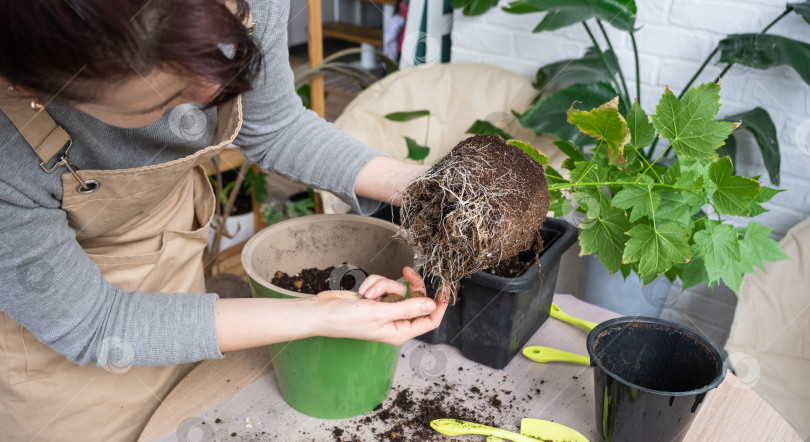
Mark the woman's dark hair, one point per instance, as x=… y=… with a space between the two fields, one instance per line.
x=63 y=48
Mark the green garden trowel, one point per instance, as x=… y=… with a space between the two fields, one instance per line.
x=538 y=353
x=456 y=427
x=556 y=313
x=545 y=430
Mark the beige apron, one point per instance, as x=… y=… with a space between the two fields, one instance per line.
x=145 y=228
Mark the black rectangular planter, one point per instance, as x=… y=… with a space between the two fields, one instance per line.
x=495 y=316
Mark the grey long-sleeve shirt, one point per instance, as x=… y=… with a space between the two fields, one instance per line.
x=50 y=286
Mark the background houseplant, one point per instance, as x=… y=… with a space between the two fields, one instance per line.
x=598 y=76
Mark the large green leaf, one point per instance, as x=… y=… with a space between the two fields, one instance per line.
x=639 y=199
x=758 y=246
x=606 y=236
x=655 y=250
x=728 y=257
x=732 y=194
x=593 y=202
x=689 y=123
x=763 y=51
x=718 y=245
x=678 y=207
x=473 y=7
x=760 y=124
x=606 y=125
x=416 y=151
x=407 y=116
x=764 y=195
x=621 y=14
x=588 y=69
x=802 y=9
x=483 y=127
x=549 y=115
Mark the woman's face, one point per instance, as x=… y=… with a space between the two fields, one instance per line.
x=141 y=100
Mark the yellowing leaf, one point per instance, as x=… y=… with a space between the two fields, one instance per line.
x=604 y=123
x=530 y=150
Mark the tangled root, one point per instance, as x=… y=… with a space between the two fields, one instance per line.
x=482 y=203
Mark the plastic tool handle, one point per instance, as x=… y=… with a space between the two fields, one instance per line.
x=455 y=427
x=545 y=354
x=556 y=313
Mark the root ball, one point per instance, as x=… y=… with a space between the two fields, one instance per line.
x=482 y=203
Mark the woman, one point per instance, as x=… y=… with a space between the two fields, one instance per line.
x=109 y=109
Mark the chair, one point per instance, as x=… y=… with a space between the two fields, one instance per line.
x=456 y=94
x=769 y=344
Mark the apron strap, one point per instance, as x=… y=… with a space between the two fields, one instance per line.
x=37 y=127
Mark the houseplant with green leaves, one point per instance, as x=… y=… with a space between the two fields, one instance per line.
x=663 y=218
x=598 y=76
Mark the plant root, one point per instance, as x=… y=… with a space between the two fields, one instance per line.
x=482 y=203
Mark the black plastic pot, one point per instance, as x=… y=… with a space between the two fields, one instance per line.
x=650 y=377
x=495 y=316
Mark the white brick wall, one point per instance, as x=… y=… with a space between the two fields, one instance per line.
x=675 y=37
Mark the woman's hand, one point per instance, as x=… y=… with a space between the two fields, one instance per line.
x=360 y=316
x=384 y=178
x=252 y=322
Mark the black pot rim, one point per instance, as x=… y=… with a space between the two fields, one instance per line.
x=643 y=319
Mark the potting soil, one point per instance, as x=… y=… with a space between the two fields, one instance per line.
x=312 y=281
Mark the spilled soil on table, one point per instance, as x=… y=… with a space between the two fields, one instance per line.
x=407 y=413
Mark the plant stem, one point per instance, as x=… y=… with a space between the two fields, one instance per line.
x=706 y=62
x=649 y=153
x=221 y=220
x=618 y=65
x=607 y=183
x=649 y=167
x=593 y=158
x=638 y=75
x=699 y=71
x=604 y=60
x=427 y=129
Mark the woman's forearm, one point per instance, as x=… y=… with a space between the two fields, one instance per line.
x=244 y=323
x=384 y=178
x=253 y=322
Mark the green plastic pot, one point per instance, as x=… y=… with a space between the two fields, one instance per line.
x=328 y=378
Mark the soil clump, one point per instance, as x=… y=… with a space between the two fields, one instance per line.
x=481 y=204
x=313 y=281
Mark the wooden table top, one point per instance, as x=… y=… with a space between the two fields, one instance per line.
x=237 y=398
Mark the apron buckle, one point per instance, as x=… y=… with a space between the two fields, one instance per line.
x=88 y=186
